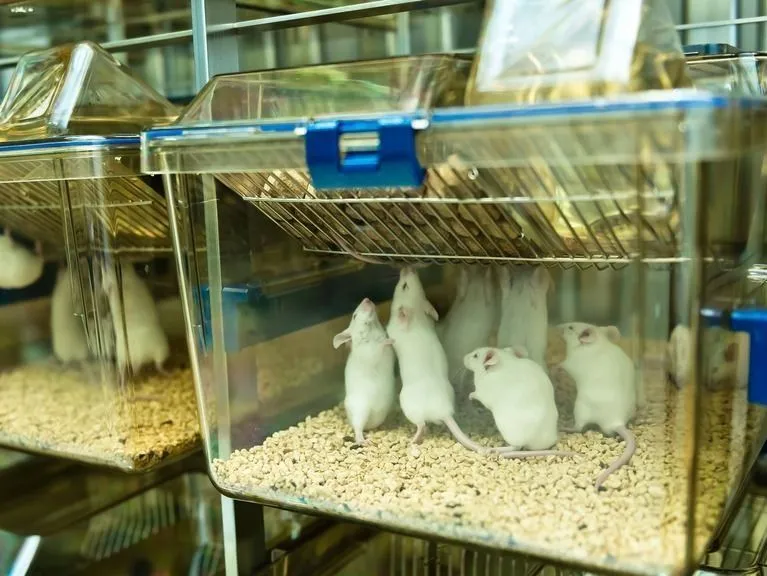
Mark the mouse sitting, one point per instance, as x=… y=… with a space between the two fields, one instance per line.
x=427 y=395
x=521 y=398
x=67 y=330
x=19 y=267
x=369 y=371
x=605 y=382
x=139 y=337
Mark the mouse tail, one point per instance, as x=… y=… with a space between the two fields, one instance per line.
x=461 y=436
x=628 y=452
x=510 y=453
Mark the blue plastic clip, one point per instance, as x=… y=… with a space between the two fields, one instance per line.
x=754 y=323
x=389 y=162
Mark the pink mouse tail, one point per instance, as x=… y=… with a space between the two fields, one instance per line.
x=534 y=453
x=628 y=452
x=461 y=437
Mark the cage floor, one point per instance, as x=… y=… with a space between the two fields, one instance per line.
x=62 y=411
x=543 y=506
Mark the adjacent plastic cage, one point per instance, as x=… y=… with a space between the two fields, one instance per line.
x=289 y=206
x=95 y=368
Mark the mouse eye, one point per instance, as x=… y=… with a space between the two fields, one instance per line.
x=354 y=316
x=475 y=356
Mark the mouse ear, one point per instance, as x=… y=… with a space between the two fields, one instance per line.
x=587 y=335
x=430 y=311
x=341 y=338
x=491 y=359
x=613 y=334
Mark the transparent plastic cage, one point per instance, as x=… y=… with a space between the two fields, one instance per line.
x=646 y=211
x=86 y=239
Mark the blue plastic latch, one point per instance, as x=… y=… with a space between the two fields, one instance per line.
x=373 y=153
x=754 y=323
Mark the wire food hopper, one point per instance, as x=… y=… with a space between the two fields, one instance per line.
x=660 y=190
x=69 y=179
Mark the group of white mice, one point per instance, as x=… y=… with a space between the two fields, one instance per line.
x=132 y=316
x=139 y=338
x=511 y=380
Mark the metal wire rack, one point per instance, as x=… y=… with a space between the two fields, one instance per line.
x=460 y=214
x=127 y=207
x=131 y=523
x=412 y=557
x=571 y=214
x=744 y=549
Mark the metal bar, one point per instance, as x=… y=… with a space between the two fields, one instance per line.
x=223 y=52
x=199 y=44
x=446 y=30
x=338 y=14
x=402 y=45
x=722 y=23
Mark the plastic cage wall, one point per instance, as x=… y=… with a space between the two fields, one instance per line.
x=79 y=375
x=645 y=210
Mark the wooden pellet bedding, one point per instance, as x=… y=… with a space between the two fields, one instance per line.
x=62 y=410
x=540 y=505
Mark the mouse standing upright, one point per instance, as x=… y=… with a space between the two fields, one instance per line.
x=139 y=337
x=520 y=396
x=427 y=395
x=524 y=311
x=470 y=322
x=605 y=381
x=369 y=373
x=19 y=266
x=67 y=331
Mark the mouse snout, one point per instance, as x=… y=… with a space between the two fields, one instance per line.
x=367 y=304
x=406 y=272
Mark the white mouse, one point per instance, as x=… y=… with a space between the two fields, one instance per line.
x=470 y=322
x=67 y=331
x=725 y=357
x=146 y=341
x=19 y=267
x=520 y=396
x=524 y=310
x=369 y=372
x=427 y=395
x=605 y=380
